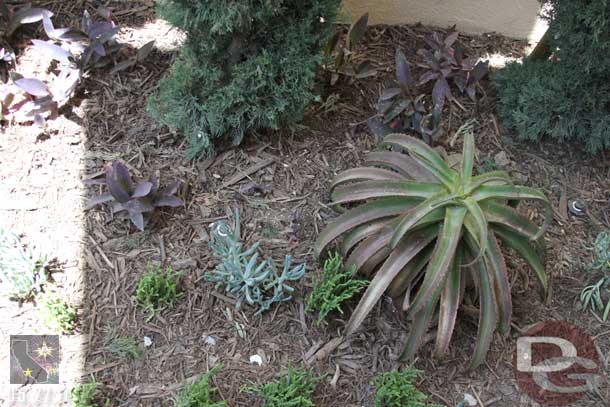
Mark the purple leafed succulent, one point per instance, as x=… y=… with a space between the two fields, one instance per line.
x=135 y=199
x=445 y=61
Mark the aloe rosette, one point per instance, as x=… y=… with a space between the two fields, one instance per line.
x=424 y=231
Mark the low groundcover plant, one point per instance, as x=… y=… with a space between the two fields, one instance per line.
x=158 y=289
x=258 y=283
x=336 y=285
x=424 y=231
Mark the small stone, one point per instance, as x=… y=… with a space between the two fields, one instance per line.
x=501 y=159
x=209 y=340
x=470 y=400
x=256 y=359
x=147 y=341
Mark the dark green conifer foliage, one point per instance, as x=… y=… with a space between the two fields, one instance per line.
x=566 y=96
x=246 y=65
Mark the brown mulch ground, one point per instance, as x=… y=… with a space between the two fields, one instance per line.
x=299 y=163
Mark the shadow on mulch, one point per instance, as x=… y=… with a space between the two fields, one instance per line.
x=299 y=164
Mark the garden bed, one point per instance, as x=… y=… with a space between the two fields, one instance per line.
x=109 y=121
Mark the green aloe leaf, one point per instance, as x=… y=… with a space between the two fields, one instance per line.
x=449 y=304
x=410 y=272
x=500 y=284
x=397 y=260
x=429 y=158
x=467 y=158
x=405 y=165
x=487 y=312
x=362 y=232
x=414 y=215
x=379 y=209
x=364 y=173
x=367 y=248
x=524 y=247
x=443 y=255
x=507 y=216
x=492 y=178
x=363 y=190
x=418 y=328
x=516 y=192
x=476 y=213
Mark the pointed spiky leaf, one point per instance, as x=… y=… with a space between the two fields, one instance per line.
x=449 y=304
x=437 y=269
x=365 y=213
x=398 y=259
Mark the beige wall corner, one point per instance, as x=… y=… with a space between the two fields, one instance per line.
x=513 y=18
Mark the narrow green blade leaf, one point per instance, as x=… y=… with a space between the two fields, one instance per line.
x=360 y=233
x=363 y=190
x=491 y=178
x=418 y=328
x=398 y=259
x=487 y=312
x=507 y=216
x=427 y=155
x=467 y=157
x=405 y=165
x=356 y=31
x=367 y=248
x=364 y=173
x=365 y=213
x=449 y=304
x=410 y=272
x=500 y=284
x=481 y=224
x=410 y=218
x=443 y=255
x=524 y=247
x=512 y=192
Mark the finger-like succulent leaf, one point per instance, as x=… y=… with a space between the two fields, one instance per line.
x=33 y=86
x=54 y=51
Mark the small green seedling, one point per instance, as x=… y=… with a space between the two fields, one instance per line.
x=336 y=285
x=396 y=389
x=84 y=395
x=57 y=314
x=158 y=289
x=22 y=271
x=293 y=389
x=124 y=347
x=200 y=393
x=597 y=296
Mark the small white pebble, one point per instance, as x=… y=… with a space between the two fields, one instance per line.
x=217 y=176
x=469 y=398
x=147 y=341
x=256 y=359
x=210 y=340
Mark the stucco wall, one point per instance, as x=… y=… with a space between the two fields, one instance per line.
x=513 y=18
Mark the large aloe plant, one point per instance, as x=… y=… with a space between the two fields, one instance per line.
x=424 y=231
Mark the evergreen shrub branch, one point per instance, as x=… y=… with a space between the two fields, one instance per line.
x=336 y=285
x=246 y=66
